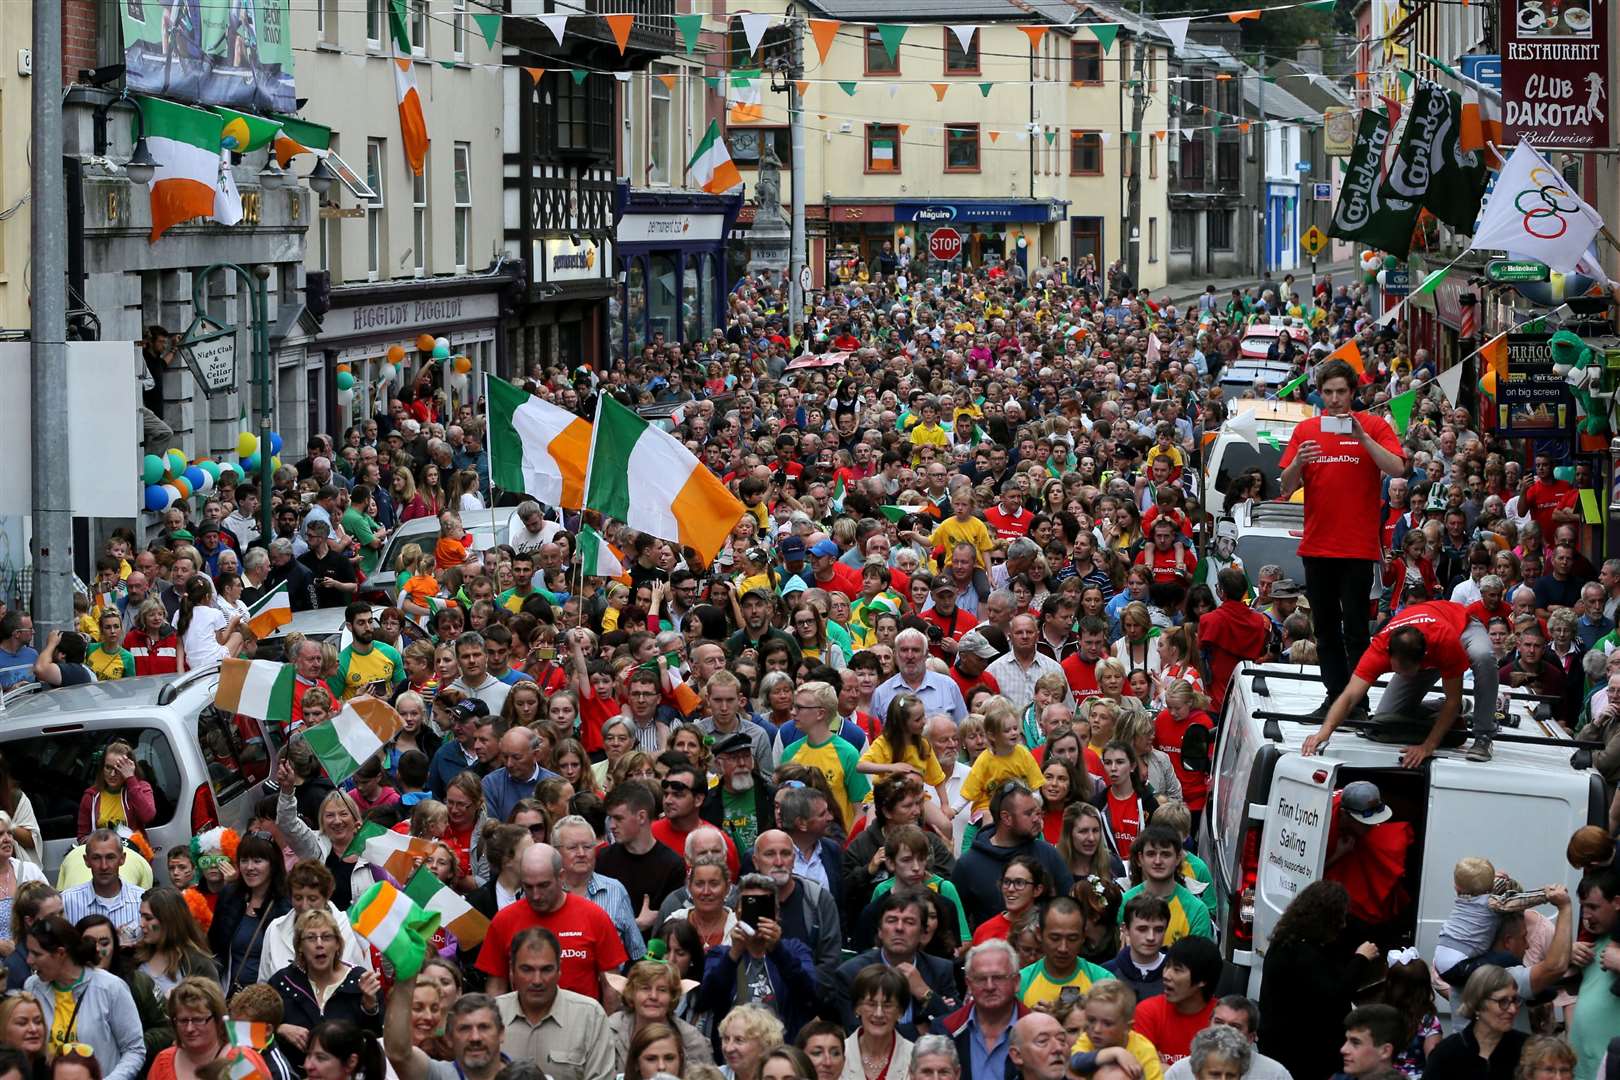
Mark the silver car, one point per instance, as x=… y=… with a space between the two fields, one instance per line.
x=488 y=528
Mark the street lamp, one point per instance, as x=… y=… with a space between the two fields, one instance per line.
x=141 y=164
x=273 y=175
x=321 y=177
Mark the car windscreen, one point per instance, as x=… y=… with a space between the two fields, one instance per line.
x=55 y=769
x=1239 y=457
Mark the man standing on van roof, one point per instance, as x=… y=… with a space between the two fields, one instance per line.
x=1434 y=641
x=1338 y=456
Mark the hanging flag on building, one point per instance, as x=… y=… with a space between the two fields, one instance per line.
x=185 y=144
x=711 y=166
x=1361 y=213
x=1431 y=170
x=1533 y=214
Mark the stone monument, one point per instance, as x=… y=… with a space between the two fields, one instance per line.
x=768 y=237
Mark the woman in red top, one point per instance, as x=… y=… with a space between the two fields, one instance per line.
x=153 y=643
x=1183 y=708
x=464 y=799
x=197 y=1009
x=408 y=502
x=1025 y=885
x=1127 y=807
x=1410 y=575
x=1063 y=784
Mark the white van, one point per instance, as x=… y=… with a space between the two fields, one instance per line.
x=206 y=767
x=1227 y=454
x=1265 y=830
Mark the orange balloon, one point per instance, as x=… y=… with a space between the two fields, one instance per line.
x=182 y=485
x=463 y=365
x=396 y=354
x=343 y=367
x=424 y=342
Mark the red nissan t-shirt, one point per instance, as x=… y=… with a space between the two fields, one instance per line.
x=1442 y=623
x=1167 y=736
x=1171 y=1032
x=1541 y=501
x=1342 y=490
x=590 y=942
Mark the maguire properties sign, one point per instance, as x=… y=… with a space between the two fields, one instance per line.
x=1555 y=71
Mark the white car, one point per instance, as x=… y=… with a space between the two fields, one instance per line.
x=1228 y=455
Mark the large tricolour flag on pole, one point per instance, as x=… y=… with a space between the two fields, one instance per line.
x=536 y=447
x=1532 y=214
x=645 y=478
x=186 y=144
x=711 y=165
x=343 y=743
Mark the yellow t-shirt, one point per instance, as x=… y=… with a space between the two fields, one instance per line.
x=109 y=810
x=1036 y=986
x=878 y=752
x=992 y=770
x=953 y=530
x=927 y=435
x=1141 y=1048
x=1174 y=454
x=64 y=1021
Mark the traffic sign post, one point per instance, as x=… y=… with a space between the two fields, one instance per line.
x=1313 y=240
x=944 y=244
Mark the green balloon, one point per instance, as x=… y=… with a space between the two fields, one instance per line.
x=152 y=469
x=345 y=380
x=211 y=468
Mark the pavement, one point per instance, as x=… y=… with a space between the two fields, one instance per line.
x=1182 y=293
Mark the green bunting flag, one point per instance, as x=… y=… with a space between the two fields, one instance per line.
x=1106 y=33
x=579 y=75
x=490 y=27
x=891 y=33
x=1400 y=410
x=1432 y=282
x=690 y=27
x=984 y=88
x=713 y=82
x=849 y=87
x=1320 y=5
x=1293 y=384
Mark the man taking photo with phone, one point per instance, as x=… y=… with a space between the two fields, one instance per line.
x=759 y=966
x=1338 y=458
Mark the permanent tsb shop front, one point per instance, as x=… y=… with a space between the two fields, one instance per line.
x=990 y=229
x=670 y=248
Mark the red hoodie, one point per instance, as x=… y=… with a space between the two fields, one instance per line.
x=1231 y=633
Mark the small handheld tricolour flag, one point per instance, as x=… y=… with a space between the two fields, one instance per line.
x=253 y=1034
x=262 y=689
x=596 y=556
x=396 y=852
x=271 y=610
x=343 y=743
x=466 y=922
x=399 y=929
x=240 y=1066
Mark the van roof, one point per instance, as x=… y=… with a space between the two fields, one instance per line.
x=1297 y=697
x=116 y=695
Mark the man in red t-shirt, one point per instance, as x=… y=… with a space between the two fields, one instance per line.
x=1081 y=665
x=1338 y=457
x=1424 y=644
x=1192 y=970
x=1232 y=633
x=1546 y=497
x=685 y=788
x=1008 y=519
x=832 y=575
x=590 y=942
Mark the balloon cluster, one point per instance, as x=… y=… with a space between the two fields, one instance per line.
x=169 y=477
x=1370 y=263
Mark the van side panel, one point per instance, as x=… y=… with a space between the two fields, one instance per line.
x=1293 y=847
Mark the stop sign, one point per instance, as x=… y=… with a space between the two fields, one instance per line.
x=945 y=244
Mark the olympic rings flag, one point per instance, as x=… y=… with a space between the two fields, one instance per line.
x=1533 y=214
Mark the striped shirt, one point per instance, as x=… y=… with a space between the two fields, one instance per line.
x=124 y=910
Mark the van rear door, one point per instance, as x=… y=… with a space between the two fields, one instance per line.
x=1293 y=845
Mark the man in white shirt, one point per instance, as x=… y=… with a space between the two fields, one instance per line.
x=947 y=744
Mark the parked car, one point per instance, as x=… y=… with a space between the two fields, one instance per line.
x=1228 y=455
x=206 y=767
x=326 y=625
x=488 y=528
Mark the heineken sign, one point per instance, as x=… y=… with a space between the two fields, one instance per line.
x=1511 y=271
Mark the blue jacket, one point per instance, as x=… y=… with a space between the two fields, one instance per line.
x=449 y=762
x=501 y=792
x=793 y=979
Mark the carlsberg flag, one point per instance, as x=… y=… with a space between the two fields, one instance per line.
x=711 y=166
x=344 y=742
x=186 y=144
x=1532 y=214
x=1361 y=213
x=1430 y=169
x=536 y=447
x=399 y=929
x=645 y=478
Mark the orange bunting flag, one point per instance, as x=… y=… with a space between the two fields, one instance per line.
x=802 y=86
x=824 y=31
x=994 y=134
x=536 y=74
x=1495 y=353
x=939 y=90
x=1350 y=353
x=904 y=128
x=1159 y=135
x=1239 y=16
x=1243 y=126
x=620 y=25
x=1035 y=34
x=1361 y=78
x=1224 y=76
x=669 y=81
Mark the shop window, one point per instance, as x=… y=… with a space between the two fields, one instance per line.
x=962 y=148
x=691 y=301
x=635 y=310
x=748 y=145
x=376 y=223
x=882 y=148
x=1086 y=62
x=877 y=57
x=616 y=314
x=1085 y=153
x=661 y=297
x=1220 y=230
x=959 y=61
x=463 y=193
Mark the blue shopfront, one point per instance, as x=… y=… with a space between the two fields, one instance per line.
x=670 y=262
x=989 y=229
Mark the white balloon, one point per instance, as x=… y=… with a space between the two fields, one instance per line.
x=442 y=343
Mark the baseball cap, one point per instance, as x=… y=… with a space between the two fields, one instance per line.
x=943 y=583
x=469 y=709
x=1363 y=801
x=977 y=644
x=792 y=547
x=824 y=548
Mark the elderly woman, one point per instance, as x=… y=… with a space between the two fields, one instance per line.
x=747 y=1034
x=875 y=1050
x=1488 y=1048
x=1220 y=1053
x=318 y=985
x=340 y=821
x=197 y=1008
x=650 y=994
x=13 y=873
x=708 y=880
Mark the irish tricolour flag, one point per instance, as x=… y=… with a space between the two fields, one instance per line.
x=343 y=743
x=645 y=478
x=271 y=610
x=711 y=166
x=261 y=689
x=186 y=144
x=399 y=929
x=455 y=914
x=536 y=447
x=597 y=557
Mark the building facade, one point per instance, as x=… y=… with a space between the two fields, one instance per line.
x=1212 y=190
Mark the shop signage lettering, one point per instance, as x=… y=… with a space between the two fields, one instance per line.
x=409 y=313
x=1033 y=211
x=1554 y=71
x=1533 y=400
x=936 y=213
x=673 y=227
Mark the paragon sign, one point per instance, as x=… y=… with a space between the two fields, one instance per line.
x=1554 y=71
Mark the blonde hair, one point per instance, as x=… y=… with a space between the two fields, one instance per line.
x=998 y=711
x=1115 y=993
x=1130 y=727
x=1173 y=815
x=410 y=558
x=1181 y=692
x=1111 y=665
x=1473 y=876
x=306 y=922
x=755 y=1022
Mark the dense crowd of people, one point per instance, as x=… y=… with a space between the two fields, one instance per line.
x=905 y=782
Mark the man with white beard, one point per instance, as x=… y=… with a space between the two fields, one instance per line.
x=807 y=912
x=743 y=803
x=947 y=744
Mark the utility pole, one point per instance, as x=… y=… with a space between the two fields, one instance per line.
x=1134 y=239
x=1261 y=144
x=53 y=521
x=797 y=263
